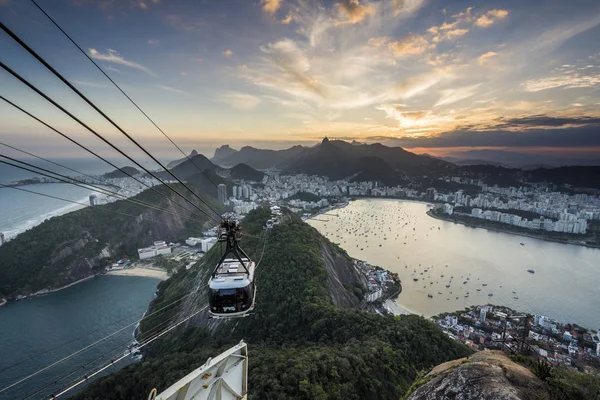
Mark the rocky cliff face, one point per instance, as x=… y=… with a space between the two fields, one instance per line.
x=484 y=375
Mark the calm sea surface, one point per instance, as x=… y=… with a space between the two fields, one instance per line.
x=565 y=285
x=80 y=315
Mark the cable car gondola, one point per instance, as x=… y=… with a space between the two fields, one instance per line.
x=231 y=286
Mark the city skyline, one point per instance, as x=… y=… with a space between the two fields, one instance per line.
x=426 y=75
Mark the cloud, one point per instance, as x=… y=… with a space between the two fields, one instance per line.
x=174 y=90
x=87 y=83
x=482 y=59
x=490 y=17
x=227 y=53
x=270 y=6
x=288 y=19
x=353 y=12
x=542 y=120
x=450 y=96
x=111 y=68
x=114 y=57
x=409 y=46
x=582 y=136
x=241 y=101
x=406 y=6
x=583 y=74
x=152 y=42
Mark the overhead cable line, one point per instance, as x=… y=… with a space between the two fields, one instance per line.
x=38 y=91
x=89 y=332
x=88 y=101
x=122 y=91
x=94 y=153
x=68 y=201
x=82 y=349
x=103 y=181
x=112 y=362
x=72 y=181
x=121 y=348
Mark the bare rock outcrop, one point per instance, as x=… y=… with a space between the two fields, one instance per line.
x=485 y=375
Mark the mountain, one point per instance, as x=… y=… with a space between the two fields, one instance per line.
x=77 y=245
x=175 y=163
x=337 y=159
x=223 y=153
x=121 y=173
x=192 y=166
x=306 y=338
x=256 y=158
x=245 y=172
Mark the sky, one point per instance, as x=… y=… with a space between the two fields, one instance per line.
x=428 y=75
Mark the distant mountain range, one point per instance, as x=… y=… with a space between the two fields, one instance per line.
x=516 y=159
x=337 y=159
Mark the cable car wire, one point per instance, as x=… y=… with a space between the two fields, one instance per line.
x=122 y=91
x=112 y=362
x=25 y=359
x=84 y=98
x=67 y=180
x=47 y=98
x=83 y=349
x=94 y=153
x=126 y=345
x=74 y=202
x=103 y=181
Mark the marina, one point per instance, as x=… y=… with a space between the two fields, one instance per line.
x=483 y=266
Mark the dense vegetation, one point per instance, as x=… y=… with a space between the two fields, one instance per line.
x=64 y=249
x=563 y=384
x=121 y=173
x=300 y=345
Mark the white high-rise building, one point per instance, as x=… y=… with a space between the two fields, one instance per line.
x=222 y=193
x=235 y=192
x=93 y=200
x=245 y=191
x=2 y=239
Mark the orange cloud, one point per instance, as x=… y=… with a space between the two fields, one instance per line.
x=409 y=46
x=270 y=6
x=353 y=11
x=482 y=59
x=490 y=17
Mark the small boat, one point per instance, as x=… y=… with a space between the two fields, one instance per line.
x=484 y=284
x=490 y=294
x=464 y=282
x=415 y=279
x=531 y=271
x=478 y=289
x=430 y=296
x=447 y=286
x=522 y=244
x=516 y=297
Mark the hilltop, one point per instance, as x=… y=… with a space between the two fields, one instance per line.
x=67 y=248
x=307 y=338
x=121 y=173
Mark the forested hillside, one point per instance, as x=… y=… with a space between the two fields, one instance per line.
x=301 y=345
x=67 y=248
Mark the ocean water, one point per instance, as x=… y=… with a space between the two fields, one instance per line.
x=20 y=211
x=79 y=315
x=565 y=284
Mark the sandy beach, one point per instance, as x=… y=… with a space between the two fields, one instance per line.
x=139 y=271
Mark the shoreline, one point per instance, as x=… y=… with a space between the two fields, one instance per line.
x=510 y=232
x=141 y=272
x=44 y=292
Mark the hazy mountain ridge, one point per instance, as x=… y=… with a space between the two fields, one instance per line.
x=175 y=163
